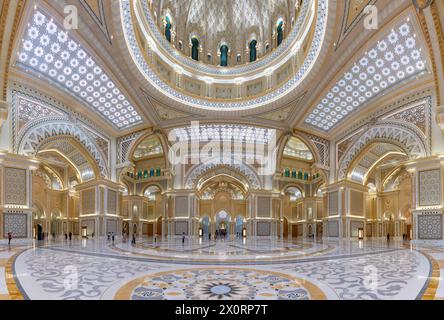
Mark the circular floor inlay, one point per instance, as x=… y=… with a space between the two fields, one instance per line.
x=220 y=289
x=219 y=284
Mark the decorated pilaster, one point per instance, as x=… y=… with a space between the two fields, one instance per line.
x=428 y=199
x=16 y=195
x=99 y=208
x=346 y=210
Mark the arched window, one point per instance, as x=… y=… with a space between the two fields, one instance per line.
x=280 y=32
x=224 y=55
x=195 y=49
x=168 y=27
x=253 y=52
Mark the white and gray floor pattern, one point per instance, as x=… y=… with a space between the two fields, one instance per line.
x=98 y=269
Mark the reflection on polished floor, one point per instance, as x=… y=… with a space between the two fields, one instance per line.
x=222 y=269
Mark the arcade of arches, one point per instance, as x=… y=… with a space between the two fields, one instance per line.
x=236 y=132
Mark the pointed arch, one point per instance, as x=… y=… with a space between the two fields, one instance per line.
x=405 y=136
x=39 y=133
x=238 y=167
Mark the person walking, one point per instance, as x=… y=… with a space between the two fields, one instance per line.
x=133 y=241
x=70 y=236
x=388 y=237
x=9 y=238
x=112 y=237
x=183 y=237
x=66 y=236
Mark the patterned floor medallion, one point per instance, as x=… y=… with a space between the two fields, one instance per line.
x=219 y=284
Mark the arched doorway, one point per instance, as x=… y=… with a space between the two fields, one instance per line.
x=125 y=227
x=223 y=221
x=205 y=225
x=389 y=225
x=285 y=231
x=55 y=222
x=239 y=226
x=224 y=55
x=195 y=49
x=159 y=226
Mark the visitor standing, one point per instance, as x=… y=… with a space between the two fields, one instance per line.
x=112 y=237
x=183 y=237
x=9 y=238
x=70 y=236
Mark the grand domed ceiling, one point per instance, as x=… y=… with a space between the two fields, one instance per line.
x=233 y=23
x=224 y=55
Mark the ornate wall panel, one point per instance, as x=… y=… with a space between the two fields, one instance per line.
x=263 y=207
x=180 y=227
x=333 y=229
x=263 y=229
x=430 y=227
x=181 y=206
x=333 y=203
x=15 y=186
x=356 y=202
x=16 y=224
x=430 y=187
x=112 y=202
x=88 y=201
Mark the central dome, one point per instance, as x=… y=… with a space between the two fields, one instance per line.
x=225 y=32
x=225 y=54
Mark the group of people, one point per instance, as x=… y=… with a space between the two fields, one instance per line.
x=68 y=235
x=222 y=234
x=125 y=237
x=46 y=235
x=111 y=236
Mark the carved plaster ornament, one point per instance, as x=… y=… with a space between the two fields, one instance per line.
x=422 y=4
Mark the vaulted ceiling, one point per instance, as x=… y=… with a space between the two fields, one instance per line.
x=93 y=69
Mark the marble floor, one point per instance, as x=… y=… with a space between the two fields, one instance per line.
x=223 y=269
